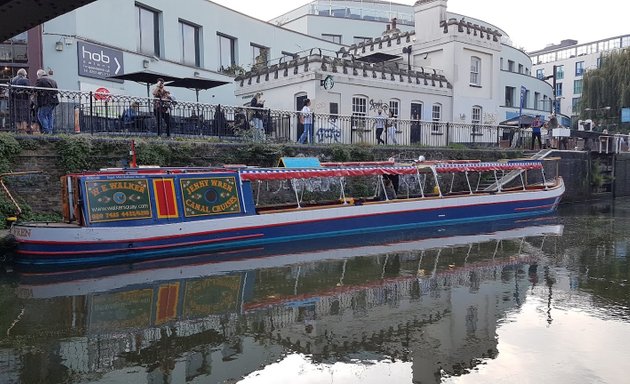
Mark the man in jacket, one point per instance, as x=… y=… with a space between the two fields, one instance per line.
x=46 y=101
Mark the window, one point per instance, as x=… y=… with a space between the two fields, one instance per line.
x=540 y=73
x=227 y=49
x=359 y=111
x=147 y=23
x=575 y=103
x=579 y=68
x=333 y=38
x=475 y=71
x=476 y=115
x=577 y=86
x=536 y=100
x=521 y=69
x=394 y=107
x=260 y=54
x=436 y=116
x=510 y=66
x=558 y=89
x=559 y=72
x=509 y=96
x=525 y=101
x=190 y=43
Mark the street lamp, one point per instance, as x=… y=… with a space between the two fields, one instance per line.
x=553 y=86
x=407 y=50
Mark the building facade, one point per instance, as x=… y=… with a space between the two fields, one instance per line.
x=571 y=60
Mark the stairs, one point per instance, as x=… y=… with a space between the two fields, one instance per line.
x=510 y=176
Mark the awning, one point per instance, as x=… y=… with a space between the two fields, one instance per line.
x=377 y=57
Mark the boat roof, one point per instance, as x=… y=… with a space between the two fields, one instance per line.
x=350 y=169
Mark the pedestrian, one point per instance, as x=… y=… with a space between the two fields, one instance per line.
x=306 y=117
x=257 y=120
x=162 y=104
x=391 y=128
x=46 y=101
x=379 y=125
x=21 y=102
x=536 y=134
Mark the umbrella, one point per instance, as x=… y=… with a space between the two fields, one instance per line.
x=196 y=83
x=145 y=77
x=516 y=121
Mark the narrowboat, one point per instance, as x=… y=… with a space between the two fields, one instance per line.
x=128 y=215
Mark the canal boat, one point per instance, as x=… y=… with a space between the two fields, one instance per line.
x=128 y=215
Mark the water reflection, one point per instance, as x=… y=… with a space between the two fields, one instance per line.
x=414 y=308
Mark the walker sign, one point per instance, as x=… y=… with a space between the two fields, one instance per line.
x=99 y=62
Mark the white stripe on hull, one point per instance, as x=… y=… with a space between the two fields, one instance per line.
x=134 y=233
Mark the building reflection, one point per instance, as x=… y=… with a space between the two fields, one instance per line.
x=437 y=308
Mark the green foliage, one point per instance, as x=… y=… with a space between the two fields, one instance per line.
x=259 y=154
x=9 y=148
x=75 y=153
x=607 y=86
x=337 y=153
x=151 y=152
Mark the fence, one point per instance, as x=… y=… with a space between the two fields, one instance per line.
x=99 y=113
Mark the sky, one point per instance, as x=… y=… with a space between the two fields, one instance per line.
x=531 y=24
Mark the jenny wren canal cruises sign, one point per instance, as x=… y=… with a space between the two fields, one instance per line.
x=99 y=62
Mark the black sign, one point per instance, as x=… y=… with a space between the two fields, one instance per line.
x=99 y=62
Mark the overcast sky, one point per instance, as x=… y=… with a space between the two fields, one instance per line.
x=531 y=24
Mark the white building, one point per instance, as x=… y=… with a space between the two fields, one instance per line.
x=484 y=72
x=105 y=38
x=571 y=61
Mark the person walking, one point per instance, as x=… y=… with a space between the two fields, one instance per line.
x=20 y=102
x=536 y=134
x=162 y=105
x=379 y=125
x=46 y=101
x=391 y=128
x=307 y=119
x=257 y=120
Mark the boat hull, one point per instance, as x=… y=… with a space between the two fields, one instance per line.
x=50 y=246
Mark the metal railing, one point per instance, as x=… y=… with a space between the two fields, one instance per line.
x=98 y=113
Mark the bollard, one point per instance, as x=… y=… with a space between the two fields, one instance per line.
x=77 y=125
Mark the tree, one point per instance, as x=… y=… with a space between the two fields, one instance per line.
x=607 y=86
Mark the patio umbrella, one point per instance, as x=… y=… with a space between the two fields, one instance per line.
x=196 y=83
x=516 y=121
x=145 y=77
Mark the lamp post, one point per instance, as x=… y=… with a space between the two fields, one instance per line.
x=407 y=50
x=554 y=106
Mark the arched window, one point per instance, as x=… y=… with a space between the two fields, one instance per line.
x=359 y=111
x=475 y=71
x=436 y=116
x=394 y=107
x=476 y=114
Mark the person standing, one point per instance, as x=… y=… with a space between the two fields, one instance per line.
x=307 y=117
x=536 y=135
x=46 y=101
x=162 y=105
x=379 y=125
x=20 y=102
x=257 y=121
x=391 y=128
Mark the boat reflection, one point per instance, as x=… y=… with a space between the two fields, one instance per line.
x=432 y=300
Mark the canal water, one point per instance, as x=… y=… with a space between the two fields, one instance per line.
x=535 y=301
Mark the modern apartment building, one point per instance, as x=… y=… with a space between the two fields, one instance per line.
x=571 y=60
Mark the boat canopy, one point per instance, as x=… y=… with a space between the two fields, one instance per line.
x=252 y=174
